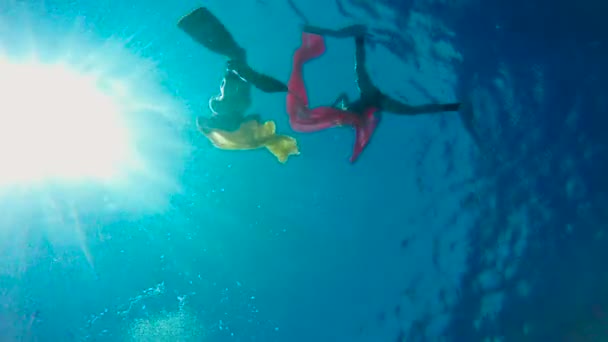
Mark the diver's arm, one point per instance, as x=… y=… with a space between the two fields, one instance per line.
x=391 y=105
x=345 y=32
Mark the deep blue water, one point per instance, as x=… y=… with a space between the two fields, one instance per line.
x=438 y=233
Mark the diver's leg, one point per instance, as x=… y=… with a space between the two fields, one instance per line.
x=206 y=29
x=302 y=118
x=371 y=93
x=391 y=105
x=312 y=47
x=261 y=81
x=368 y=105
x=364 y=82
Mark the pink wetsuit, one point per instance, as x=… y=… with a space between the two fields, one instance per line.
x=304 y=119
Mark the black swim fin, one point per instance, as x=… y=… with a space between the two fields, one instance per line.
x=206 y=29
x=261 y=81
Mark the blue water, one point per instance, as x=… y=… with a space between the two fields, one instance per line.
x=438 y=233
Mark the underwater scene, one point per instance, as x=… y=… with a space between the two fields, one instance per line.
x=299 y=171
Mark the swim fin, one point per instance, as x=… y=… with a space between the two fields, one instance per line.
x=206 y=29
x=364 y=131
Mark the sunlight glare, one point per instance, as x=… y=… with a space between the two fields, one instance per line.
x=57 y=123
x=91 y=134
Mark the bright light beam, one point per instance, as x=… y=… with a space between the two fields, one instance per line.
x=58 y=124
x=90 y=135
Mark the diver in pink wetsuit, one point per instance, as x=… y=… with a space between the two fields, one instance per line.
x=364 y=114
x=305 y=119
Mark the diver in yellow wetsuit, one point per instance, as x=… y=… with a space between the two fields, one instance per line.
x=228 y=127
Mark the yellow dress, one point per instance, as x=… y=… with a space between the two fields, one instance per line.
x=253 y=135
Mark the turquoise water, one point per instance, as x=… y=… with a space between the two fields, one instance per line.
x=424 y=236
